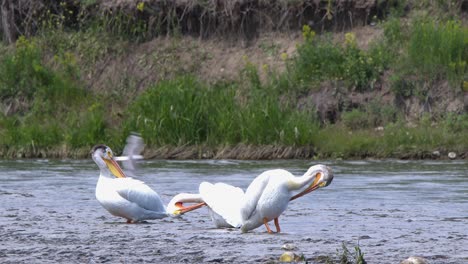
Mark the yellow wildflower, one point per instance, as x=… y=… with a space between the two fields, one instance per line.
x=307 y=32
x=141 y=6
x=350 y=39
x=284 y=56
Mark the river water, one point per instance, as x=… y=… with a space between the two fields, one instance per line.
x=392 y=209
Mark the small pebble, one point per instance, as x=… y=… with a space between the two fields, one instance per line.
x=414 y=260
x=452 y=155
x=289 y=247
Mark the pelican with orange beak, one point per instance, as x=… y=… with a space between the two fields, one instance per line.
x=122 y=196
x=222 y=201
x=266 y=198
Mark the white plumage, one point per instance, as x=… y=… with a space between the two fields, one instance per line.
x=266 y=198
x=121 y=196
x=222 y=201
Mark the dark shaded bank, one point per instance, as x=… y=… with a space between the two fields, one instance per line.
x=227 y=19
x=239 y=152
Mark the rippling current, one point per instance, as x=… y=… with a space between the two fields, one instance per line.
x=392 y=209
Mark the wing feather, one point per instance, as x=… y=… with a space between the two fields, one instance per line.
x=223 y=199
x=252 y=195
x=139 y=193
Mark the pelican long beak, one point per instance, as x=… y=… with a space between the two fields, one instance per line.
x=184 y=209
x=114 y=168
x=314 y=186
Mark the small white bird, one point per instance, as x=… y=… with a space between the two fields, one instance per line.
x=131 y=153
x=266 y=198
x=222 y=201
x=121 y=196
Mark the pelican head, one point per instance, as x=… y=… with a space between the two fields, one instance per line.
x=176 y=206
x=104 y=158
x=319 y=175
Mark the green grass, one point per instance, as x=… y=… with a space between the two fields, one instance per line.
x=185 y=111
x=45 y=105
x=321 y=59
x=439 y=49
x=396 y=140
x=429 y=52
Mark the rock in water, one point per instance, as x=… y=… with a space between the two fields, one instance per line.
x=414 y=260
x=290 y=257
x=289 y=247
x=452 y=155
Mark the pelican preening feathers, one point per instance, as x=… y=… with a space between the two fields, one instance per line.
x=265 y=199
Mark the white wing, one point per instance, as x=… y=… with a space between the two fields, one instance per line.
x=131 y=153
x=224 y=199
x=253 y=194
x=138 y=192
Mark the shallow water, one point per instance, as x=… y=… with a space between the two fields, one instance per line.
x=393 y=209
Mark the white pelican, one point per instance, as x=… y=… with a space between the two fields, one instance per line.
x=222 y=201
x=121 y=196
x=265 y=199
x=269 y=194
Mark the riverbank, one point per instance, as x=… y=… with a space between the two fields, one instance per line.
x=392 y=84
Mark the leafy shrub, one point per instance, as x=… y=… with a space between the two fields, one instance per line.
x=24 y=75
x=355 y=119
x=455 y=123
x=319 y=59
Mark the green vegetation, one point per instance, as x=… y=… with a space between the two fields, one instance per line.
x=343 y=256
x=434 y=51
x=43 y=105
x=320 y=59
x=47 y=109
x=185 y=111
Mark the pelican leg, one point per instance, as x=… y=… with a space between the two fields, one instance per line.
x=265 y=222
x=278 y=229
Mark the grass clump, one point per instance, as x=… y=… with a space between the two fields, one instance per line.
x=374 y=114
x=180 y=111
x=348 y=257
x=344 y=256
x=319 y=59
x=439 y=49
x=185 y=111
x=429 y=51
